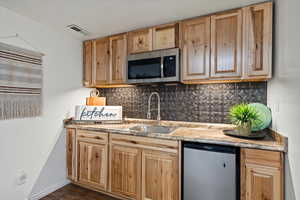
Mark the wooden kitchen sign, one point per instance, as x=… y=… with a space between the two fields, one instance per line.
x=98 y=113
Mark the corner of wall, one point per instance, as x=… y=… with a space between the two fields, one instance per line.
x=48 y=190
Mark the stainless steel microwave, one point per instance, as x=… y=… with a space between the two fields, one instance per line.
x=153 y=67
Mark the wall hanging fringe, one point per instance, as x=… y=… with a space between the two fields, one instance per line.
x=21 y=78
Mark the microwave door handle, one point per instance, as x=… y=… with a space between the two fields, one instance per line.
x=162 y=67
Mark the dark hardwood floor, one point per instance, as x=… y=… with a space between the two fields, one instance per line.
x=73 y=192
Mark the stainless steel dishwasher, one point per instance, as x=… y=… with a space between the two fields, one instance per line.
x=210 y=172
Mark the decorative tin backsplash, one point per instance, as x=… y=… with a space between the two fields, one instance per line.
x=195 y=103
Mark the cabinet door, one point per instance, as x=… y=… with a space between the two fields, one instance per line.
x=125 y=170
x=160 y=175
x=87 y=63
x=118 y=49
x=165 y=36
x=226 y=44
x=140 y=41
x=261 y=175
x=71 y=143
x=101 y=72
x=258 y=40
x=262 y=183
x=195 y=46
x=92 y=164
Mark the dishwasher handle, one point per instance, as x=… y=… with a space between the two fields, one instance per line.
x=211 y=147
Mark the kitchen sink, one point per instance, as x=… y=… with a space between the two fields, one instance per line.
x=153 y=129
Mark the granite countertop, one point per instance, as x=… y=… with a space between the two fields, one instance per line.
x=188 y=131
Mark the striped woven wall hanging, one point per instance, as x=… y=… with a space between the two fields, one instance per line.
x=21 y=79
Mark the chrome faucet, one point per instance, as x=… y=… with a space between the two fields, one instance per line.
x=158 y=106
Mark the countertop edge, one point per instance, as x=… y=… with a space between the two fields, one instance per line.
x=281 y=139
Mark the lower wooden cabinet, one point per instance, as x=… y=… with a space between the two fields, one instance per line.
x=142 y=168
x=261 y=175
x=92 y=163
x=160 y=175
x=71 y=153
x=125 y=167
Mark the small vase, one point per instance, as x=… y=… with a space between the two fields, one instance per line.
x=244 y=129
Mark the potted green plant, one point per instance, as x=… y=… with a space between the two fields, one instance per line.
x=243 y=115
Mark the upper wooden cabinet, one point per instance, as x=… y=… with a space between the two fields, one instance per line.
x=257 y=50
x=235 y=45
x=102 y=55
x=240 y=46
x=155 y=38
x=118 y=46
x=165 y=36
x=140 y=41
x=195 y=46
x=261 y=175
x=226 y=44
x=88 y=63
x=105 y=61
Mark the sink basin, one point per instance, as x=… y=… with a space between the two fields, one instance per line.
x=153 y=129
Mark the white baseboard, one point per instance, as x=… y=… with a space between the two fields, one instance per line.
x=49 y=190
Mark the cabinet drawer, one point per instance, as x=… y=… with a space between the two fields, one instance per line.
x=263 y=157
x=92 y=136
x=144 y=142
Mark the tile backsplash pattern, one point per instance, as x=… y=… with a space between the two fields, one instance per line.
x=195 y=103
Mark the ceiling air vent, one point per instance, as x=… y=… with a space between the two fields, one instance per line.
x=78 y=29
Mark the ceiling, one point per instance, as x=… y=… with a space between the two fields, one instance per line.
x=105 y=17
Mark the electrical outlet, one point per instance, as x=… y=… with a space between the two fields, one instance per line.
x=21 y=178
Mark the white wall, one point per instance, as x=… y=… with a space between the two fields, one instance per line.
x=25 y=144
x=284 y=89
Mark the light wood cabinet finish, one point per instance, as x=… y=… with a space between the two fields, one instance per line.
x=150 y=169
x=160 y=175
x=71 y=154
x=102 y=55
x=125 y=167
x=165 y=36
x=155 y=160
x=105 y=61
x=140 y=41
x=145 y=143
x=257 y=34
x=92 y=152
x=88 y=63
x=226 y=44
x=231 y=46
x=261 y=175
x=195 y=38
x=118 y=62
